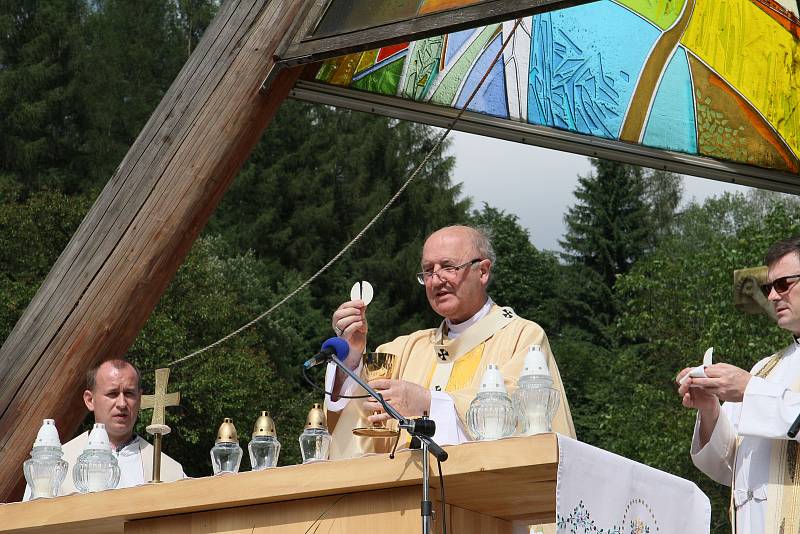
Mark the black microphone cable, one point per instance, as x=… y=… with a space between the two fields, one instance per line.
x=328 y=393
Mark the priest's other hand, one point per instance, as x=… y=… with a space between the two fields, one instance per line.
x=725 y=381
x=408 y=398
x=696 y=397
x=349 y=321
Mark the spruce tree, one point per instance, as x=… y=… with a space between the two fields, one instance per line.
x=607 y=231
x=39 y=135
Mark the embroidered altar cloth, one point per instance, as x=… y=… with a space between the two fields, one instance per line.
x=600 y=492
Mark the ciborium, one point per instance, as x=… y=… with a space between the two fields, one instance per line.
x=378 y=365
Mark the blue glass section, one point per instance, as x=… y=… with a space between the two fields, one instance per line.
x=455 y=41
x=585 y=62
x=491 y=97
x=671 y=124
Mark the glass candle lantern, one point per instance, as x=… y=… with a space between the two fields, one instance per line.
x=45 y=470
x=535 y=400
x=315 y=441
x=264 y=446
x=226 y=454
x=491 y=413
x=97 y=468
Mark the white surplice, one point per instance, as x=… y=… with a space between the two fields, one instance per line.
x=768 y=409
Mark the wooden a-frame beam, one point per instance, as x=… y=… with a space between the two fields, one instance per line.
x=112 y=273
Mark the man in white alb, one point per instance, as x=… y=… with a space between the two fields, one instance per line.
x=439 y=369
x=114 y=395
x=743 y=442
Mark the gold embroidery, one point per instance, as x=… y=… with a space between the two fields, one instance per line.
x=787 y=476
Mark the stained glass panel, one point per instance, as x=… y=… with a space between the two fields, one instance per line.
x=710 y=78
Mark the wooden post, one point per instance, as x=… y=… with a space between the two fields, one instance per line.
x=121 y=259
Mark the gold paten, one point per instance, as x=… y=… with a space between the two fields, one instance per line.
x=378 y=365
x=227 y=432
x=264 y=426
x=316 y=417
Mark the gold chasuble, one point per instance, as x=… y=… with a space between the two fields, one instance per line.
x=427 y=358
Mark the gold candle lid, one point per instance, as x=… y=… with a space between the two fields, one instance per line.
x=264 y=426
x=227 y=432
x=316 y=417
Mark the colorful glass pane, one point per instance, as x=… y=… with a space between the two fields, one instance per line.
x=712 y=78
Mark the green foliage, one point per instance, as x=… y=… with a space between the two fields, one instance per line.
x=338 y=183
x=38 y=92
x=676 y=303
x=605 y=236
x=523 y=277
x=643 y=290
x=32 y=234
x=212 y=294
x=79 y=79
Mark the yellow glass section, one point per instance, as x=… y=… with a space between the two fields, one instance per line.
x=662 y=13
x=755 y=54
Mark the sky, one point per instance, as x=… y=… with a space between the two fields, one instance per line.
x=536 y=184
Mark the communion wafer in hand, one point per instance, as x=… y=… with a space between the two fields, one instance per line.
x=699 y=371
x=362 y=290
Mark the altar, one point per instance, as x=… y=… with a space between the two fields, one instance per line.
x=490 y=487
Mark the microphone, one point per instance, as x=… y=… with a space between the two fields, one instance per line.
x=794 y=429
x=334 y=346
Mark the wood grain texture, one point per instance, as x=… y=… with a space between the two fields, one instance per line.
x=309 y=49
x=395 y=511
x=480 y=478
x=106 y=282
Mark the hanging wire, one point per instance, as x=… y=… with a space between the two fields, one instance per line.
x=372 y=222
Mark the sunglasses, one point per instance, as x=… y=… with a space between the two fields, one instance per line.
x=780 y=285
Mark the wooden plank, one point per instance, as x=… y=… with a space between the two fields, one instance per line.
x=395 y=510
x=465 y=471
x=307 y=49
x=107 y=281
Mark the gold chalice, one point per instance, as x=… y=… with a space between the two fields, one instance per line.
x=378 y=365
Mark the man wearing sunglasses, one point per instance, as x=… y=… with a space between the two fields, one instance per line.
x=439 y=369
x=743 y=442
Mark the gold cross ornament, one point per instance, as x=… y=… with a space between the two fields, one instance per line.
x=159 y=400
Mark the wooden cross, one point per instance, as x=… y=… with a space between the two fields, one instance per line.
x=159 y=400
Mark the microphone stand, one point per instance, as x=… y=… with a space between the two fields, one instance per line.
x=423 y=429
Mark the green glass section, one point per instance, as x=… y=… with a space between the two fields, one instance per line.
x=447 y=91
x=423 y=67
x=662 y=13
x=382 y=81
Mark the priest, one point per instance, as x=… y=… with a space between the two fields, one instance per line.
x=743 y=443
x=439 y=369
x=113 y=394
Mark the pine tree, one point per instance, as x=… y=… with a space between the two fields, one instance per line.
x=607 y=231
x=315 y=181
x=38 y=108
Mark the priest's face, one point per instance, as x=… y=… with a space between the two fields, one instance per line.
x=456 y=294
x=787 y=301
x=115 y=400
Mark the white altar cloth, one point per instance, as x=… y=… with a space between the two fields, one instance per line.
x=601 y=492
